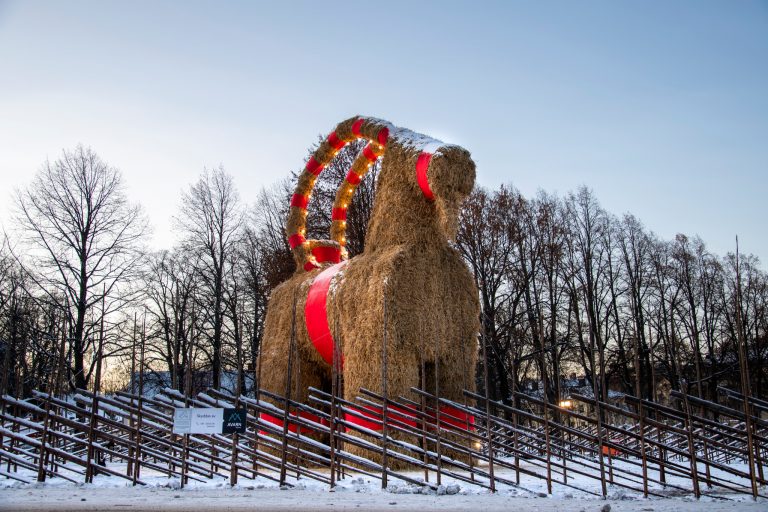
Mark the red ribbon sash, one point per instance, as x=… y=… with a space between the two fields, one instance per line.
x=316 y=312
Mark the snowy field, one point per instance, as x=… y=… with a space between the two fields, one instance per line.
x=354 y=493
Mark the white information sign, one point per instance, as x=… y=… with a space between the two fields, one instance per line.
x=198 y=420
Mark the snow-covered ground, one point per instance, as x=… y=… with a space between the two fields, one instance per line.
x=353 y=493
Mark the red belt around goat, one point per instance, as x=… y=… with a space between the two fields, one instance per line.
x=316 y=312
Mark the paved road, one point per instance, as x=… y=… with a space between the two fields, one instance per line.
x=84 y=498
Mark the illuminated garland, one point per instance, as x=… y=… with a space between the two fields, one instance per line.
x=310 y=254
x=346 y=191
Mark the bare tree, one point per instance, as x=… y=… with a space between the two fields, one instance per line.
x=489 y=227
x=753 y=304
x=254 y=263
x=687 y=278
x=546 y=228
x=7 y=271
x=635 y=247
x=170 y=288
x=85 y=238
x=587 y=260
x=265 y=234
x=210 y=222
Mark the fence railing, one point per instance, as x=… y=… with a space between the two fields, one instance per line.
x=699 y=448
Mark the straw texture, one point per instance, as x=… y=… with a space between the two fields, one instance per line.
x=431 y=299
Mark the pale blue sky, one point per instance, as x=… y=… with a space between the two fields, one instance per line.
x=660 y=106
